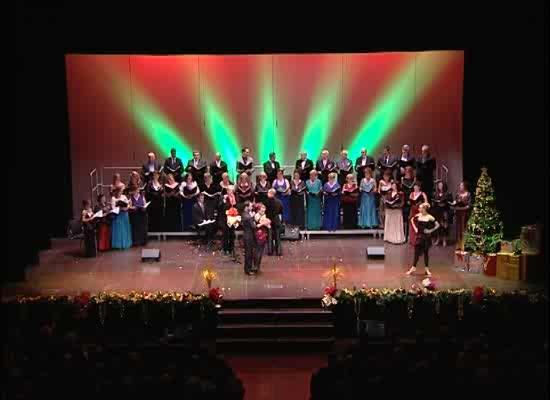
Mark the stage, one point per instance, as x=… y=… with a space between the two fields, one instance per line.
x=299 y=273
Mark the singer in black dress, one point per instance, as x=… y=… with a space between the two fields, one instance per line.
x=155 y=210
x=212 y=194
x=88 y=226
x=172 y=208
x=297 y=201
x=441 y=210
x=424 y=225
x=350 y=196
x=261 y=188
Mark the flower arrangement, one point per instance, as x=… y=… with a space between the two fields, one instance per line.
x=233 y=217
x=209 y=276
x=334 y=274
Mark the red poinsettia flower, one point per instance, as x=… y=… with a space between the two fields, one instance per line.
x=330 y=290
x=215 y=294
x=232 y=212
x=83 y=299
x=478 y=294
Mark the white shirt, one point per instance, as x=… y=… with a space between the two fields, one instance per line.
x=363 y=160
x=303 y=164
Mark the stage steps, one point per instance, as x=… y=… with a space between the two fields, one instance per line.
x=274 y=325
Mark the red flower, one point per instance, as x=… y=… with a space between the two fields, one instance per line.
x=330 y=290
x=215 y=294
x=478 y=294
x=232 y=212
x=83 y=299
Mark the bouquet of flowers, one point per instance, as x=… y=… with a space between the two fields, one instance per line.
x=233 y=217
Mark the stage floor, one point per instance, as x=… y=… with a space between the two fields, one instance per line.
x=297 y=274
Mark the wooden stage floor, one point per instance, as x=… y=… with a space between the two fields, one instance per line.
x=297 y=274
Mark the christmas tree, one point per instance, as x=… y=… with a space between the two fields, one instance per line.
x=484 y=229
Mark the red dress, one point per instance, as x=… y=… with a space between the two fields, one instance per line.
x=103 y=229
x=414 y=203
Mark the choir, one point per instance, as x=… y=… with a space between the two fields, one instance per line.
x=317 y=195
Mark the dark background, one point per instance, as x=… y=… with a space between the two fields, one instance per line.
x=505 y=85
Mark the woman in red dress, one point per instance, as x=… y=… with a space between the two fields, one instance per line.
x=104 y=224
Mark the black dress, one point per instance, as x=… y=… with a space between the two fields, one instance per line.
x=297 y=199
x=138 y=220
x=260 y=192
x=212 y=195
x=407 y=186
x=441 y=208
x=172 y=217
x=244 y=193
x=350 y=195
x=89 y=235
x=156 y=208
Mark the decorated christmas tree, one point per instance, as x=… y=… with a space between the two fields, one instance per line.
x=484 y=229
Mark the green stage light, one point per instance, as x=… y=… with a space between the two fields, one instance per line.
x=268 y=139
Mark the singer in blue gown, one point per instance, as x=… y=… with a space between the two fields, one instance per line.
x=314 y=194
x=368 y=217
x=331 y=206
x=121 y=234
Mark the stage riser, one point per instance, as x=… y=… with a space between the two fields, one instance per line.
x=274 y=318
x=274 y=304
x=274 y=331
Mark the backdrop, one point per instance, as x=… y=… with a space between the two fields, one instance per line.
x=122 y=106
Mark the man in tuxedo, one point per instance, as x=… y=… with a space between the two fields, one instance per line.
x=304 y=165
x=324 y=166
x=425 y=171
x=217 y=169
x=173 y=165
x=345 y=167
x=201 y=213
x=273 y=211
x=197 y=167
x=406 y=160
x=249 y=238
x=149 y=167
x=245 y=163
x=385 y=162
x=271 y=167
x=361 y=163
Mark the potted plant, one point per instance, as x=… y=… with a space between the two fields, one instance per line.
x=484 y=230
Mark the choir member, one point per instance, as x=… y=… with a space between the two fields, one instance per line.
x=461 y=207
x=423 y=225
x=225 y=183
x=249 y=238
x=325 y=166
x=304 y=165
x=246 y=163
x=271 y=167
x=88 y=227
x=367 y=212
x=297 y=201
x=425 y=170
x=393 y=221
x=103 y=227
x=228 y=204
x=217 y=168
x=212 y=194
x=150 y=166
x=171 y=192
x=200 y=214
x=121 y=234
x=282 y=186
x=406 y=159
x=344 y=166
x=274 y=209
x=173 y=165
x=407 y=185
x=116 y=184
x=189 y=189
x=331 y=203
x=244 y=190
x=261 y=188
x=416 y=198
x=154 y=191
x=314 y=195
x=197 y=168
x=386 y=162
x=350 y=195
x=362 y=162
x=138 y=217
x=441 y=201
x=135 y=180
x=384 y=186
x=263 y=225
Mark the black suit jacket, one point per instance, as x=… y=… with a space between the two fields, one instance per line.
x=308 y=167
x=216 y=171
x=199 y=215
x=369 y=162
x=249 y=228
x=330 y=167
x=382 y=165
x=146 y=172
x=273 y=209
x=174 y=168
x=271 y=172
x=198 y=173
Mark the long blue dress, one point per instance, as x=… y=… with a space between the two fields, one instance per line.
x=331 y=207
x=368 y=217
x=121 y=234
x=187 y=205
x=313 y=212
x=282 y=187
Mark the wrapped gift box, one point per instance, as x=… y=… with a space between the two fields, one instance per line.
x=506 y=246
x=509 y=266
x=532 y=267
x=476 y=264
x=491 y=265
x=461 y=260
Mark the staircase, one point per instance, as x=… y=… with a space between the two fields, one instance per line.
x=274 y=325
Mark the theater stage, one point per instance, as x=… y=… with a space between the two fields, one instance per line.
x=297 y=274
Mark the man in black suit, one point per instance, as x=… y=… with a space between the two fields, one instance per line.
x=149 y=167
x=273 y=211
x=173 y=165
x=271 y=167
x=385 y=162
x=345 y=167
x=200 y=214
x=365 y=161
x=324 y=166
x=425 y=171
x=246 y=163
x=197 y=167
x=304 y=165
x=217 y=169
x=406 y=160
x=249 y=238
